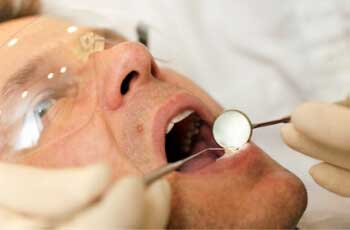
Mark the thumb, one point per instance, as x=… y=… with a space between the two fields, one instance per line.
x=121 y=208
x=157 y=203
x=14 y=221
x=50 y=193
x=332 y=178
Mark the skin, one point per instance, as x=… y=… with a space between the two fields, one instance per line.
x=249 y=190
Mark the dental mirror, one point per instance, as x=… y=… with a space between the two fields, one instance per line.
x=233 y=128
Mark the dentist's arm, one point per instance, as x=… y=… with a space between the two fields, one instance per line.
x=322 y=131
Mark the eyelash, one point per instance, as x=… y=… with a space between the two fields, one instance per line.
x=142 y=33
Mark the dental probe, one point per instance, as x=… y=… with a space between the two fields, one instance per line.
x=166 y=169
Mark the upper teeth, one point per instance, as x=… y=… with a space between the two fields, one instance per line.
x=228 y=153
x=177 y=119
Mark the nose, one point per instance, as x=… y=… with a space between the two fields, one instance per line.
x=123 y=69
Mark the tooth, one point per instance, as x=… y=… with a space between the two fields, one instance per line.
x=170 y=127
x=187 y=142
x=181 y=116
x=195 y=132
x=178 y=118
x=228 y=153
x=196 y=119
x=186 y=149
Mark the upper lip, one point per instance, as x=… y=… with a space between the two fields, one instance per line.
x=173 y=106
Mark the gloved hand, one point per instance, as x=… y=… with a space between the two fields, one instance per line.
x=32 y=198
x=128 y=205
x=322 y=131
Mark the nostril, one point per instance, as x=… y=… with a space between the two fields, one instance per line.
x=154 y=69
x=124 y=88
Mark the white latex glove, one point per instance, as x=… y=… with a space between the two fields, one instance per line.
x=32 y=198
x=128 y=205
x=322 y=131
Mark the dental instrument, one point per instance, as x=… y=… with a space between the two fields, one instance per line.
x=168 y=168
x=231 y=130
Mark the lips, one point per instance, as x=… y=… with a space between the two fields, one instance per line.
x=183 y=128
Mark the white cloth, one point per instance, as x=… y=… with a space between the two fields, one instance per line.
x=263 y=57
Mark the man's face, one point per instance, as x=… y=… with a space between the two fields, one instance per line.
x=120 y=114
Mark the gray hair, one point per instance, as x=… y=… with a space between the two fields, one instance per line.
x=10 y=9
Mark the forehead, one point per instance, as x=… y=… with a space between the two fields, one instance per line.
x=33 y=32
x=34 y=36
x=34 y=29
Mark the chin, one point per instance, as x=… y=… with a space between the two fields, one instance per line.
x=245 y=190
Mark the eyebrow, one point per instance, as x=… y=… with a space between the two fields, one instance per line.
x=22 y=76
x=25 y=74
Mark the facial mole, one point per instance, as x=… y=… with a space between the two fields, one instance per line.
x=139 y=128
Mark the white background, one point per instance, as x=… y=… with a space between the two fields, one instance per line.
x=263 y=57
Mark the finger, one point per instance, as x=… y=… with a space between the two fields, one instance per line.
x=305 y=145
x=13 y=221
x=50 y=193
x=325 y=123
x=332 y=178
x=157 y=209
x=345 y=102
x=122 y=208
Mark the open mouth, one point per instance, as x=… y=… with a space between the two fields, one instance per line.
x=187 y=133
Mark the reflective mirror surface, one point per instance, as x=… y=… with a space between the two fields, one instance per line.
x=232 y=129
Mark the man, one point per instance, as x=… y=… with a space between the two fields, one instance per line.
x=111 y=102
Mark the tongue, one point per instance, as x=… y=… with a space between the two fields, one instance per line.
x=200 y=161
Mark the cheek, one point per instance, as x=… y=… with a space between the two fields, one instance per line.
x=275 y=199
x=90 y=144
x=181 y=81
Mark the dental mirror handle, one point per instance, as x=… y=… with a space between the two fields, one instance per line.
x=273 y=122
x=286 y=119
x=166 y=169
